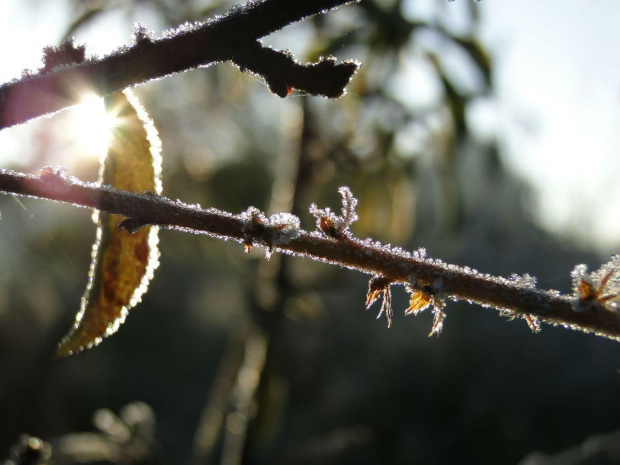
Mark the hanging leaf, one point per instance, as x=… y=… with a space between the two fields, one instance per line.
x=123 y=263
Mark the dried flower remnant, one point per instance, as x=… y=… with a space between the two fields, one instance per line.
x=379 y=286
x=422 y=296
x=418 y=302
x=337 y=226
x=123 y=264
x=599 y=289
x=533 y=323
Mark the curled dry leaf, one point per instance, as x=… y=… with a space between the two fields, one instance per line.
x=123 y=263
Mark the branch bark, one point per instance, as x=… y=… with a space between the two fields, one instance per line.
x=230 y=37
x=394 y=265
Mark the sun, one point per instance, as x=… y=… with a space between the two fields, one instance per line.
x=91 y=126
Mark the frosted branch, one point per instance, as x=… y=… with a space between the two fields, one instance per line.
x=67 y=75
x=430 y=281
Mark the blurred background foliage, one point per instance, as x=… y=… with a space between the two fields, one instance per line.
x=244 y=360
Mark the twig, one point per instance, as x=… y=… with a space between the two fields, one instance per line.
x=244 y=393
x=279 y=233
x=230 y=37
x=217 y=403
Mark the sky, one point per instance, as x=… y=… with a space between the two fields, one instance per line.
x=559 y=109
x=557 y=106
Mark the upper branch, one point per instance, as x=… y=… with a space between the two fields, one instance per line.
x=217 y=40
x=341 y=249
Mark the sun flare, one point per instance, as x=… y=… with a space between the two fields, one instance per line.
x=91 y=126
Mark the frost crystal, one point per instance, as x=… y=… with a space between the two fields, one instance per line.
x=142 y=34
x=419 y=254
x=349 y=216
x=524 y=281
x=333 y=225
x=284 y=227
x=601 y=288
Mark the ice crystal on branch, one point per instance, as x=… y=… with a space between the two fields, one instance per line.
x=337 y=226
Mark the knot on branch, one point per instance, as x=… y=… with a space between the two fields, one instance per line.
x=67 y=54
x=142 y=36
x=277 y=229
x=56 y=178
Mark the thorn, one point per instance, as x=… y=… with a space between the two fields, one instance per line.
x=132 y=225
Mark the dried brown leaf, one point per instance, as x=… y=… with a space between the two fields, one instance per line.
x=123 y=263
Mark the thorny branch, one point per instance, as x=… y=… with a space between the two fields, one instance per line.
x=234 y=37
x=280 y=233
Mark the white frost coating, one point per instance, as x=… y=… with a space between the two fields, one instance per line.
x=600 y=287
x=286 y=227
x=579 y=272
x=419 y=254
x=524 y=281
x=349 y=203
x=334 y=225
x=184 y=28
x=252 y=215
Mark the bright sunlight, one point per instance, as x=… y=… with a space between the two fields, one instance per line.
x=91 y=125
